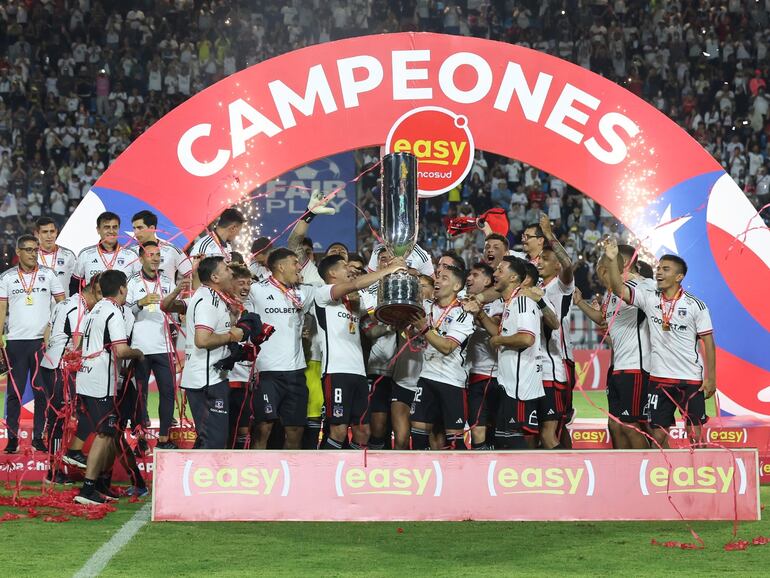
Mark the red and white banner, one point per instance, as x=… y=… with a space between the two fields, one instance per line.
x=348 y=486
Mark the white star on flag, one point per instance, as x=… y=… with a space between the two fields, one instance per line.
x=662 y=234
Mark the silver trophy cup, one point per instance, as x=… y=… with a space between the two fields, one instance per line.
x=399 y=294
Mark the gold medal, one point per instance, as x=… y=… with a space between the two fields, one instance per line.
x=351 y=328
x=28 y=300
x=152 y=307
x=666 y=326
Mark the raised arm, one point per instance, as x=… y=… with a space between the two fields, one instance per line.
x=613 y=272
x=566 y=274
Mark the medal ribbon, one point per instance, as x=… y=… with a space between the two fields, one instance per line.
x=27 y=289
x=53 y=261
x=507 y=303
x=668 y=314
x=444 y=313
x=111 y=264
x=288 y=293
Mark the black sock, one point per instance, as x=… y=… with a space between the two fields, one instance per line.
x=456 y=442
x=330 y=444
x=376 y=443
x=510 y=441
x=480 y=446
x=104 y=481
x=355 y=446
x=311 y=434
x=420 y=439
x=89 y=486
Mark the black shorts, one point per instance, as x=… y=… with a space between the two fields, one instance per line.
x=437 y=402
x=402 y=395
x=483 y=399
x=519 y=415
x=281 y=395
x=380 y=393
x=346 y=398
x=240 y=406
x=101 y=413
x=553 y=405
x=668 y=395
x=627 y=395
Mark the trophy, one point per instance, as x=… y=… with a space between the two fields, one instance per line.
x=399 y=293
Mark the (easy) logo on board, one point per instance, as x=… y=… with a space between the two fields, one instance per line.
x=442 y=143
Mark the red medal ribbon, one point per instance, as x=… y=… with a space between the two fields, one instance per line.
x=43 y=254
x=444 y=313
x=668 y=314
x=505 y=308
x=288 y=293
x=111 y=264
x=27 y=289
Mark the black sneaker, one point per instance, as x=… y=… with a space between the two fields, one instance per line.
x=39 y=445
x=109 y=494
x=75 y=458
x=57 y=478
x=167 y=445
x=12 y=446
x=92 y=498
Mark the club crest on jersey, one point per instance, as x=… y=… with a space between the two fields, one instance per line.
x=337 y=411
x=60 y=261
x=121 y=261
x=219 y=404
x=682 y=311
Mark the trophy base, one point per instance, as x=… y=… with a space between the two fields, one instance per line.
x=399 y=299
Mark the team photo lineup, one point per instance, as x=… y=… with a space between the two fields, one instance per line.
x=282 y=349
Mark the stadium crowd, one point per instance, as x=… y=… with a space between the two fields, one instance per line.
x=80 y=80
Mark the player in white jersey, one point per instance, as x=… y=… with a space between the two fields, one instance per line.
x=209 y=330
x=107 y=254
x=441 y=395
x=629 y=336
x=481 y=361
x=418 y=260
x=338 y=310
x=517 y=339
x=64 y=331
x=558 y=282
x=260 y=249
x=104 y=345
x=216 y=243
x=50 y=255
x=173 y=262
x=152 y=297
x=242 y=376
x=678 y=321
x=25 y=300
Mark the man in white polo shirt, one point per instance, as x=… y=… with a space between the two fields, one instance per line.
x=173 y=262
x=209 y=330
x=50 y=255
x=152 y=296
x=25 y=299
x=107 y=254
x=216 y=243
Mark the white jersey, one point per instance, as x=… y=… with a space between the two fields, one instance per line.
x=675 y=353
x=94 y=259
x=482 y=358
x=206 y=310
x=259 y=271
x=519 y=372
x=629 y=332
x=106 y=325
x=339 y=327
x=560 y=296
x=454 y=324
x=310 y=274
x=284 y=309
x=551 y=354
x=243 y=371
x=383 y=348
x=172 y=260
x=409 y=362
x=418 y=259
x=67 y=321
x=61 y=260
x=152 y=326
x=210 y=245
x=28 y=296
